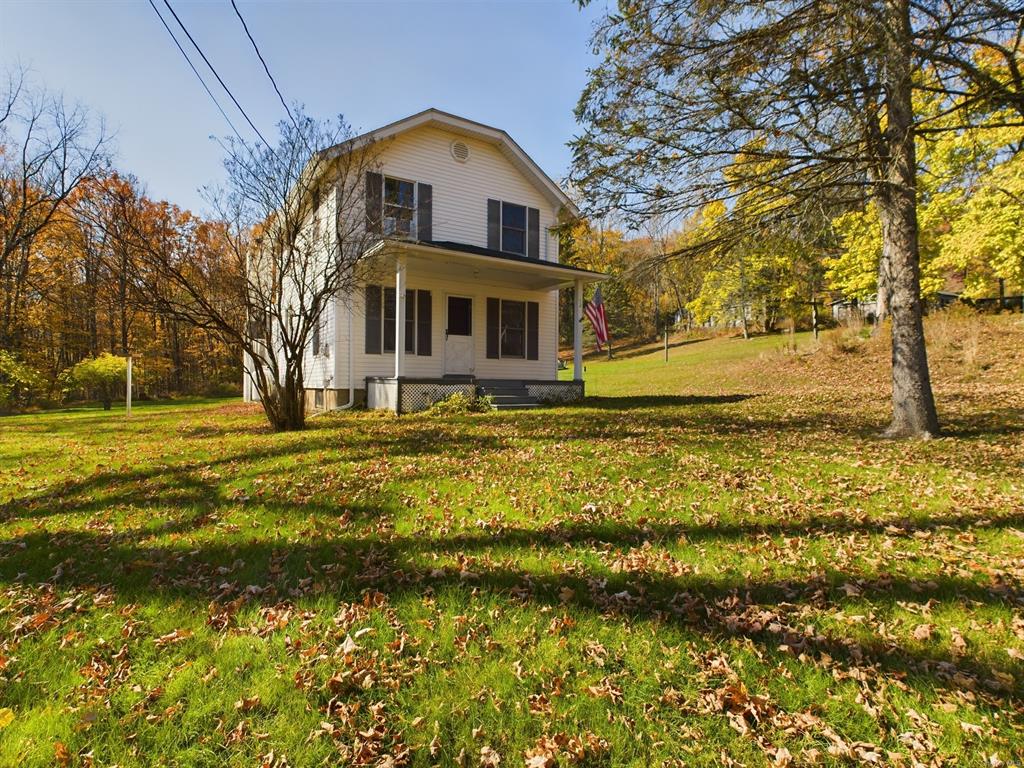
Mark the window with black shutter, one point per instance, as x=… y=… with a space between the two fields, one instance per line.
x=513 y=228
x=381 y=319
x=513 y=329
x=399 y=207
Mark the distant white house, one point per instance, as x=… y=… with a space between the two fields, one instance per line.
x=468 y=294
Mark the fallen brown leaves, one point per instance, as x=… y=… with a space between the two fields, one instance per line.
x=680 y=568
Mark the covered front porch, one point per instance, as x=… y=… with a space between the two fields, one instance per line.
x=467 y=319
x=408 y=394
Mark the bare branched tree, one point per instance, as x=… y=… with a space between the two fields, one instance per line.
x=291 y=239
x=47 y=149
x=773 y=106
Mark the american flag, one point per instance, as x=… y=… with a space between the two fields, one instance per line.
x=594 y=310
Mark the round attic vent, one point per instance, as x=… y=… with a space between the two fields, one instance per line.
x=460 y=151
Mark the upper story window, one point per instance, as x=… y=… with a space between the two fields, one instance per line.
x=399 y=207
x=513 y=228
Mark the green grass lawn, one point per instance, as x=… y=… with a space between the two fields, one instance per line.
x=710 y=561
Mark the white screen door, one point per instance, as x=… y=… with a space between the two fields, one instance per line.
x=458 y=335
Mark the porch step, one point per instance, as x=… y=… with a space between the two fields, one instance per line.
x=507 y=394
x=513 y=401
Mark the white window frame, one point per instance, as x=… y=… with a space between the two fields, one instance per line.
x=414 y=228
x=501 y=228
x=501 y=328
x=414 y=319
x=323 y=348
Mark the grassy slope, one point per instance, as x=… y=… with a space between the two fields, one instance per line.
x=710 y=560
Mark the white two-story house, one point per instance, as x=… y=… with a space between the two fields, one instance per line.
x=466 y=297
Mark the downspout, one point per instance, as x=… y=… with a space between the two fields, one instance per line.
x=351 y=383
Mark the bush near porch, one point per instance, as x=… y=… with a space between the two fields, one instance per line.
x=708 y=561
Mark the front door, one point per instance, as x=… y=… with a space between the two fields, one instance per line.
x=458 y=336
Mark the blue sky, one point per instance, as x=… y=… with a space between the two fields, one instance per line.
x=515 y=65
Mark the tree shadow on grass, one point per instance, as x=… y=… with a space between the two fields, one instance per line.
x=198 y=566
x=199 y=481
x=202 y=482
x=993 y=422
x=645 y=402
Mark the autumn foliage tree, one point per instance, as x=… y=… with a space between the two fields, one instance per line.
x=821 y=95
x=48 y=148
x=290 y=238
x=67 y=271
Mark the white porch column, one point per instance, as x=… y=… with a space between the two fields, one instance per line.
x=577 y=331
x=399 y=316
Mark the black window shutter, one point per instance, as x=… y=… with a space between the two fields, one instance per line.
x=493 y=329
x=494 y=224
x=410 y=320
x=424 y=212
x=315 y=343
x=532 y=329
x=424 y=316
x=533 y=233
x=374 y=200
x=373 y=312
x=390 y=320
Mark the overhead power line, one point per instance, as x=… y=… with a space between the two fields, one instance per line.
x=195 y=71
x=266 y=68
x=217 y=75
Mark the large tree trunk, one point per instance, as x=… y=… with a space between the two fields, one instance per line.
x=912 y=400
x=884 y=289
x=285 y=404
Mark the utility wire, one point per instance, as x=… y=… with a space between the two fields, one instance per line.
x=266 y=68
x=219 y=78
x=196 y=72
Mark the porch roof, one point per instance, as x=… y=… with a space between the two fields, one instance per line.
x=485 y=264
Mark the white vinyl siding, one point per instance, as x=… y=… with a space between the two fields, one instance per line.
x=460 y=193
x=544 y=368
x=317 y=369
x=461 y=190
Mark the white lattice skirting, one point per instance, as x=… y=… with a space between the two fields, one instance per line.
x=555 y=391
x=408 y=395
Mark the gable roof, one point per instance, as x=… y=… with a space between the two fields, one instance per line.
x=500 y=139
